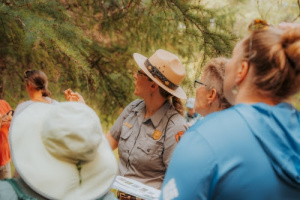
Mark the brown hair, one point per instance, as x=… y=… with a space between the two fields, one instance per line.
x=176 y=102
x=38 y=80
x=213 y=73
x=274 y=55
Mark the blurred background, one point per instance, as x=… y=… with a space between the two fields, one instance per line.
x=87 y=45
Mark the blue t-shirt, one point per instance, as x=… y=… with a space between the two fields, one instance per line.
x=244 y=152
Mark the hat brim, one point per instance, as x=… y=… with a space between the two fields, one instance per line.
x=140 y=60
x=51 y=177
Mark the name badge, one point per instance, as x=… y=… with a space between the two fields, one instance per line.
x=127 y=124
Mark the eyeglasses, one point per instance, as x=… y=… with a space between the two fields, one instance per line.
x=255 y=25
x=198 y=83
x=141 y=73
x=28 y=73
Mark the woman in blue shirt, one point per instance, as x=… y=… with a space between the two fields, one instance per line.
x=251 y=150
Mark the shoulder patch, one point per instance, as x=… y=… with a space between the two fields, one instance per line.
x=170 y=191
x=179 y=135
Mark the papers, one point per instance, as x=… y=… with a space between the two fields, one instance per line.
x=136 y=188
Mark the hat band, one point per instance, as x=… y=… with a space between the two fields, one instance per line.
x=157 y=74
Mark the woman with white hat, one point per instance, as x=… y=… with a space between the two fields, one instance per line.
x=63 y=155
x=147 y=131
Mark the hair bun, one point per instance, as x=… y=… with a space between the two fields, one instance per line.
x=41 y=87
x=291 y=45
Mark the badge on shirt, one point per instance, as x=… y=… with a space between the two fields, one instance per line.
x=127 y=124
x=156 y=135
x=179 y=135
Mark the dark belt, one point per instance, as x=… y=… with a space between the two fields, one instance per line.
x=124 y=196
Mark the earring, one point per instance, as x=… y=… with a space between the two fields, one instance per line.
x=234 y=89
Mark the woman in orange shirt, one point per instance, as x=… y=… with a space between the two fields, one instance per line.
x=5 y=116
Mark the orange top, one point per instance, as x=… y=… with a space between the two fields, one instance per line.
x=4 y=145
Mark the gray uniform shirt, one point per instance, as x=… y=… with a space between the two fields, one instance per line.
x=146 y=145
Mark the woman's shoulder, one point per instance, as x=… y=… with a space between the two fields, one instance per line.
x=135 y=104
x=4 y=106
x=3 y=102
x=51 y=101
x=217 y=120
x=21 y=106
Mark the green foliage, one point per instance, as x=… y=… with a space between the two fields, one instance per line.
x=87 y=45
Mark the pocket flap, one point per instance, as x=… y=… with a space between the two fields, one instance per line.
x=126 y=132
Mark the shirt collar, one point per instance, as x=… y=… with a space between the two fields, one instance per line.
x=160 y=113
x=156 y=117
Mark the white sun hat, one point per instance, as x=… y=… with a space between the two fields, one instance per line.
x=61 y=152
x=165 y=69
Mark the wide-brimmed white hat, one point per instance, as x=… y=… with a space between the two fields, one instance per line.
x=165 y=69
x=61 y=152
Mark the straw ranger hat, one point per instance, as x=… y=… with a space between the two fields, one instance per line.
x=165 y=69
x=61 y=152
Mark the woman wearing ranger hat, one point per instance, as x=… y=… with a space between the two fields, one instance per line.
x=147 y=131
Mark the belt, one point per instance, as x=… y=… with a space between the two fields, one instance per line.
x=125 y=196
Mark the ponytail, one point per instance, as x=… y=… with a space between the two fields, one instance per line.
x=38 y=80
x=175 y=101
x=46 y=92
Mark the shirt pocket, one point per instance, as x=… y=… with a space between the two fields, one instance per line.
x=125 y=132
x=152 y=148
x=125 y=142
x=150 y=155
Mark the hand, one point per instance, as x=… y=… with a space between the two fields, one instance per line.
x=6 y=119
x=68 y=94
x=73 y=96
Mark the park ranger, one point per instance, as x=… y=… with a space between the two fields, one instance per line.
x=148 y=130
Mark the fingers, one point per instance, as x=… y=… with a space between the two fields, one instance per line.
x=78 y=97
x=6 y=119
x=68 y=93
x=73 y=96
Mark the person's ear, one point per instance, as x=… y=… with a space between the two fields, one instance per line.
x=242 y=72
x=212 y=95
x=154 y=85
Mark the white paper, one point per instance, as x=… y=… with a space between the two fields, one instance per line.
x=136 y=188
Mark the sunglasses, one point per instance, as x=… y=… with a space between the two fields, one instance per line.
x=141 y=73
x=28 y=72
x=255 y=25
x=198 y=83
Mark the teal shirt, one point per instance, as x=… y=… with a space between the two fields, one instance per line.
x=246 y=152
